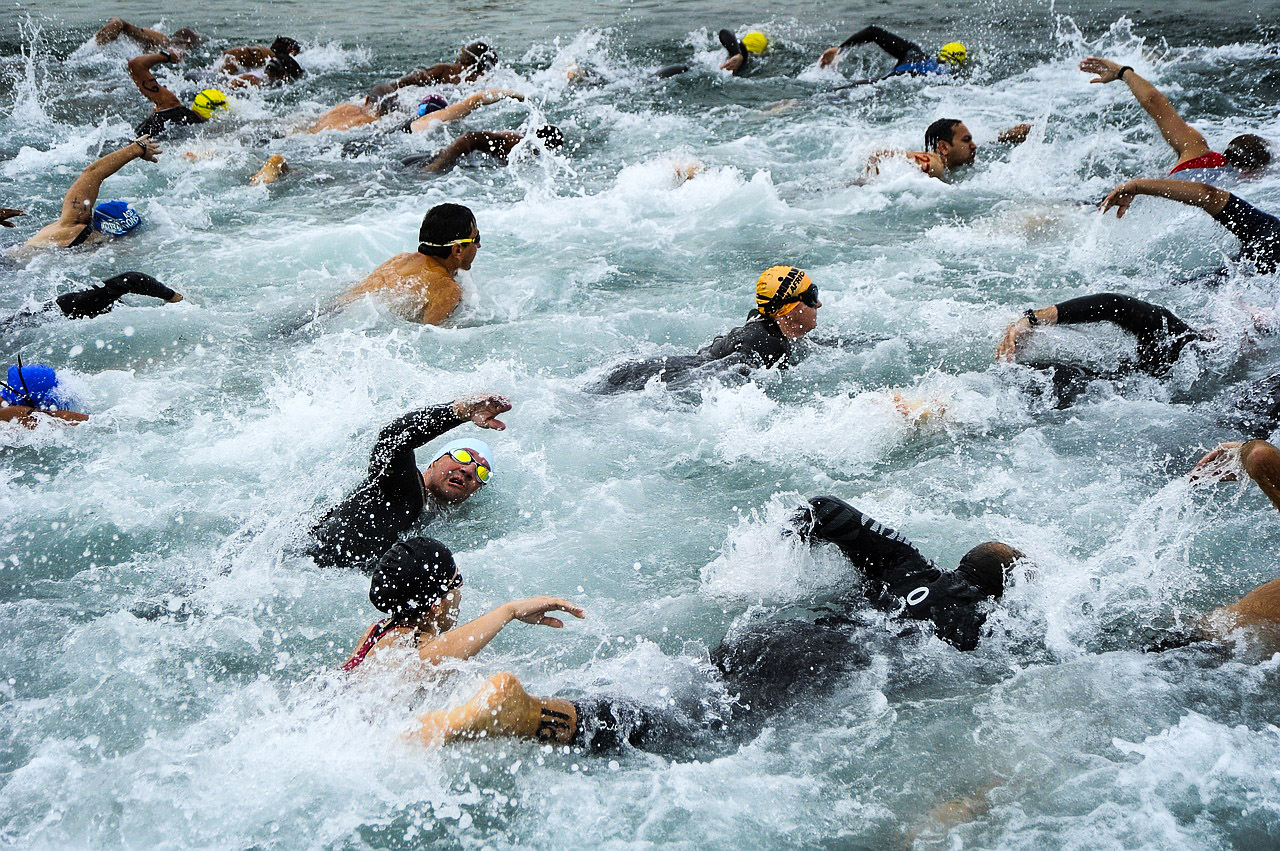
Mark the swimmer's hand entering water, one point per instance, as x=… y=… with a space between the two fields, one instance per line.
x=482 y=409
x=1219 y=465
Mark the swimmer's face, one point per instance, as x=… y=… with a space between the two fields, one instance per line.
x=444 y=614
x=961 y=150
x=468 y=251
x=799 y=321
x=449 y=481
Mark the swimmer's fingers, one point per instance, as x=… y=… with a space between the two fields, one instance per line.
x=534 y=611
x=482 y=409
x=177 y=297
x=7 y=213
x=150 y=150
x=1220 y=465
x=1009 y=344
x=1120 y=198
x=1106 y=70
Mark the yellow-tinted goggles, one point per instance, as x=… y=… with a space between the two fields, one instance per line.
x=462 y=456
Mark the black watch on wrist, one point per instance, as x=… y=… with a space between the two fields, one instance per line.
x=1032 y=319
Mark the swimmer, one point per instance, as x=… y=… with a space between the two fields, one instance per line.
x=474 y=61
x=169 y=111
x=96 y=300
x=81 y=223
x=910 y=57
x=497 y=146
x=1244 y=154
x=395 y=493
x=422 y=286
x=948 y=145
x=7 y=213
x=740 y=52
x=30 y=390
x=253 y=66
x=786 y=311
x=432 y=110
x=1258 y=232
x=272 y=170
x=145 y=38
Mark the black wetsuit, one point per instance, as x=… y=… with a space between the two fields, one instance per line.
x=157 y=124
x=1161 y=338
x=757 y=343
x=731 y=44
x=910 y=57
x=367 y=523
x=96 y=300
x=1258 y=232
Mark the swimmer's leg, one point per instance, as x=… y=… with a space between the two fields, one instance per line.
x=271 y=170
x=896 y=46
x=501 y=708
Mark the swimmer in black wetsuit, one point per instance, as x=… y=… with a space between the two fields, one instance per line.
x=1161 y=337
x=786 y=310
x=96 y=300
x=909 y=56
x=169 y=111
x=1258 y=232
x=389 y=501
x=737 y=63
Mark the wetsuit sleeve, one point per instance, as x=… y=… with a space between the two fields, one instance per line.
x=397 y=441
x=1258 y=232
x=1161 y=335
x=883 y=554
x=99 y=300
x=896 y=46
x=755 y=343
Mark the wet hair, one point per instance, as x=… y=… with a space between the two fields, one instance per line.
x=550 y=136
x=187 y=36
x=388 y=105
x=941 y=130
x=441 y=225
x=284 y=44
x=1248 y=152
x=282 y=67
x=987 y=565
x=413 y=576
x=479 y=54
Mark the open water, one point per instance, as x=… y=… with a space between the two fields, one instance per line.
x=169 y=667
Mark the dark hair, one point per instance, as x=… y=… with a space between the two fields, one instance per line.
x=941 y=130
x=479 y=54
x=441 y=225
x=987 y=566
x=413 y=576
x=388 y=104
x=284 y=44
x=550 y=136
x=282 y=67
x=1248 y=152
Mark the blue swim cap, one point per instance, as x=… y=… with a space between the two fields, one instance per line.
x=115 y=218
x=34 y=385
x=431 y=103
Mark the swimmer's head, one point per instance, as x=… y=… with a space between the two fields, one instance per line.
x=283 y=45
x=988 y=566
x=755 y=42
x=413 y=577
x=32 y=385
x=460 y=469
x=449 y=232
x=186 y=37
x=781 y=288
x=951 y=140
x=551 y=136
x=431 y=103
x=478 y=56
x=388 y=104
x=953 y=54
x=208 y=102
x=1248 y=152
x=115 y=218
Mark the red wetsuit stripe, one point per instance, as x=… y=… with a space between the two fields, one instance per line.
x=1213 y=159
x=380 y=629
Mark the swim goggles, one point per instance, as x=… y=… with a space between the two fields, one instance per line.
x=452 y=242
x=808 y=297
x=462 y=456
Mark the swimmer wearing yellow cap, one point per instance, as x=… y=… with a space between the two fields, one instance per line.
x=786 y=309
x=208 y=102
x=169 y=111
x=910 y=57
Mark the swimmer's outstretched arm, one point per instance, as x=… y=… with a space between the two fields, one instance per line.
x=1185 y=140
x=77 y=205
x=140 y=72
x=1211 y=199
x=497 y=145
x=117 y=27
x=1150 y=323
x=468 y=640
x=463 y=108
x=26 y=417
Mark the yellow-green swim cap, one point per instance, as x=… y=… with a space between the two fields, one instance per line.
x=755 y=42
x=953 y=53
x=208 y=101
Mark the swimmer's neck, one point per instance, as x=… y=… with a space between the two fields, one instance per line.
x=447 y=266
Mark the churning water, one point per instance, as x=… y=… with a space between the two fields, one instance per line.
x=169 y=674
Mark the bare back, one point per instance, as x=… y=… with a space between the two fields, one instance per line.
x=418 y=288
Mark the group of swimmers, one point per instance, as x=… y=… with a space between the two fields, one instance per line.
x=415 y=580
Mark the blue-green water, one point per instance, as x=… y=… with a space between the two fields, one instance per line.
x=170 y=665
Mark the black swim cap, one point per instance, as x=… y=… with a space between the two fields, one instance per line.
x=413 y=576
x=284 y=44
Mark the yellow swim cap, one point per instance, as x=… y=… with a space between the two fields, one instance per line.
x=953 y=53
x=778 y=289
x=208 y=101
x=755 y=42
